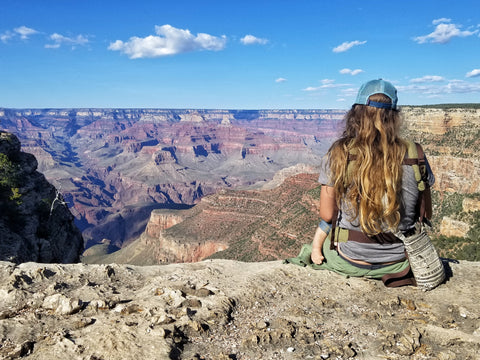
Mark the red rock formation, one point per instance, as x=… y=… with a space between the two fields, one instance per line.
x=160 y=221
x=107 y=159
x=248 y=225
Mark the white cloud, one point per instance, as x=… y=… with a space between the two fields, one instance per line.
x=168 y=41
x=441 y=20
x=473 y=73
x=432 y=89
x=7 y=35
x=22 y=32
x=59 y=40
x=351 y=72
x=427 y=78
x=25 y=32
x=326 y=84
x=280 y=80
x=443 y=33
x=347 y=46
x=251 y=40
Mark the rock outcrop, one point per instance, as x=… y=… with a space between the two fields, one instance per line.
x=223 y=309
x=471 y=205
x=250 y=225
x=450 y=136
x=35 y=223
x=452 y=227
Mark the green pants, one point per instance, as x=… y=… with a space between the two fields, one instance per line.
x=334 y=262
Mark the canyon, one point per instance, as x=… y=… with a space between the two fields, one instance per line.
x=130 y=176
x=113 y=166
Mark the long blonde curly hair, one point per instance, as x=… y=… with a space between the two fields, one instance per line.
x=370 y=185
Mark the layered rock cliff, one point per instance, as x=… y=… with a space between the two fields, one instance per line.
x=451 y=138
x=35 y=223
x=251 y=225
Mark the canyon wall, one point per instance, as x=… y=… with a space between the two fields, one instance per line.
x=248 y=225
x=451 y=139
x=450 y=136
x=35 y=223
x=107 y=160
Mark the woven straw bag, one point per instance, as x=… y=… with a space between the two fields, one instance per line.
x=424 y=261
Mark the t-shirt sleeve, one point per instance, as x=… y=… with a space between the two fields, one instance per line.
x=324 y=178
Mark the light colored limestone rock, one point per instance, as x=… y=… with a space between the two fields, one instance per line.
x=224 y=309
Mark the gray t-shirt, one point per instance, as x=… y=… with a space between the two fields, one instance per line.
x=377 y=253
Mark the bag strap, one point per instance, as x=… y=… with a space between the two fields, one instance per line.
x=334 y=225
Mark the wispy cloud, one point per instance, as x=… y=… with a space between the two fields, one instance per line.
x=252 y=40
x=22 y=32
x=325 y=84
x=427 y=78
x=473 y=73
x=280 y=80
x=433 y=89
x=59 y=40
x=7 y=35
x=347 y=46
x=351 y=72
x=168 y=41
x=441 y=20
x=443 y=33
x=25 y=32
x=349 y=92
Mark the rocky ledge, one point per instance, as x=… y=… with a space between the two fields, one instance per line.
x=223 y=309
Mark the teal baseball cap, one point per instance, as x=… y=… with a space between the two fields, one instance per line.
x=379 y=86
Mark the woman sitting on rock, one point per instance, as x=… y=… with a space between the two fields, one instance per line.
x=368 y=192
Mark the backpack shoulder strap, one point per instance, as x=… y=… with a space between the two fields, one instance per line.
x=416 y=159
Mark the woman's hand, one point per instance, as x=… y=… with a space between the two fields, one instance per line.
x=317 y=256
x=317 y=244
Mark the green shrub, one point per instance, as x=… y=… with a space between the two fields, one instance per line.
x=9 y=180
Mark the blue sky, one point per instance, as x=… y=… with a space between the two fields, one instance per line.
x=234 y=54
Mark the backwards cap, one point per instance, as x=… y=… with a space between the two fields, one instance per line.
x=377 y=87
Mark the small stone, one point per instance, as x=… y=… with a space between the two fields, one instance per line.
x=203 y=292
x=463 y=312
x=98 y=305
x=6 y=314
x=194 y=303
x=261 y=325
x=61 y=304
x=291 y=349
